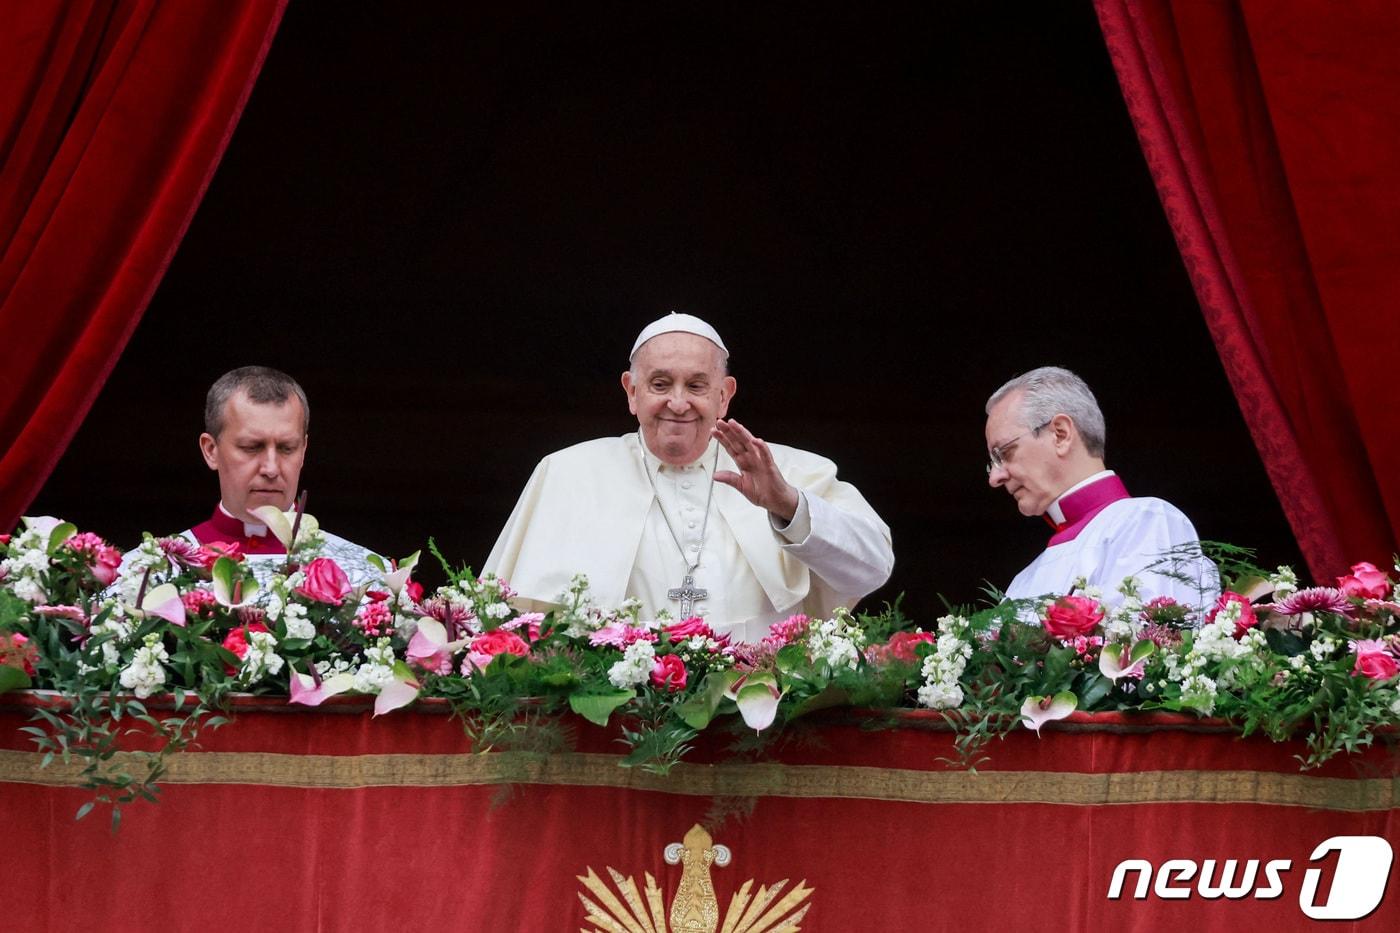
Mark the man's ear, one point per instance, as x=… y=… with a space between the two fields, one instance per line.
x=727 y=388
x=1065 y=432
x=210 y=448
x=631 y=391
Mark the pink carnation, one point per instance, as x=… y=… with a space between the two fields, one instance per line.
x=530 y=621
x=237 y=642
x=620 y=635
x=102 y=559
x=1366 y=581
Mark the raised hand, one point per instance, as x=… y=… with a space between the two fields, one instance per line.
x=758 y=478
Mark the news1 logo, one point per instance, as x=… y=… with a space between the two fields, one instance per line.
x=1358 y=883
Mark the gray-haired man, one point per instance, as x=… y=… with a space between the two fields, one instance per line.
x=1045 y=445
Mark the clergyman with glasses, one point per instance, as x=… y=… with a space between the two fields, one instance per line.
x=690 y=513
x=1045 y=446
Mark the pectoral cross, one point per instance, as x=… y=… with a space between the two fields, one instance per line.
x=688 y=593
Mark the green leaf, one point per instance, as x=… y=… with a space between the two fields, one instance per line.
x=60 y=533
x=597 y=707
x=829 y=697
x=84 y=810
x=1093 y=689
x=13 y=678
x=375 y=561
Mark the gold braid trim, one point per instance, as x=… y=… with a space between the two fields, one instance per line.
x=748 y=780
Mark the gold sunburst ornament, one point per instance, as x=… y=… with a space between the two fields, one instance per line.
x=694 y=907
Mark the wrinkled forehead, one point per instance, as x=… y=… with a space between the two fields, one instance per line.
x=679 y=354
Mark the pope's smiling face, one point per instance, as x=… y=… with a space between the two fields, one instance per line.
x=678 y=389
x=258 y=454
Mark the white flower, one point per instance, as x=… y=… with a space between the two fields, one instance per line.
x=635 y=667
x=145 y=675
x=1284 y=582
x=497 y=611
x=941 y=696
x=261 y=659
x=298 y=625
x=1322 y=648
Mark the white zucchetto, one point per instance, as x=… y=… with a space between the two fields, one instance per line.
x=675 y=322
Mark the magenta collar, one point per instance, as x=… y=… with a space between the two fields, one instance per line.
x=1083 y=504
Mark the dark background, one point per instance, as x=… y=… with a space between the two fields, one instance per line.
x=449 y=224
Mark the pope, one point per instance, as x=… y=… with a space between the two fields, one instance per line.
x=692 y=514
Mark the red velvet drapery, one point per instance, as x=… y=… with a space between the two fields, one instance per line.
x=113 y=117
x=1272 y=131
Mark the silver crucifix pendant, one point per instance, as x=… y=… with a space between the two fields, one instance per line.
x=689 y=594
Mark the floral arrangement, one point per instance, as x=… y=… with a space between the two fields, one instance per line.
x=193 y=624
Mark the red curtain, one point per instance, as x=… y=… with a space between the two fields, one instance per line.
x=1272 y=131
x=113 y=117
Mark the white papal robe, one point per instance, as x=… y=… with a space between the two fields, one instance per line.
x=591 y=508
x=1146 y=538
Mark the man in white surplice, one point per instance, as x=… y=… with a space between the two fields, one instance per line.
x=1045 y=444
x=692 y=514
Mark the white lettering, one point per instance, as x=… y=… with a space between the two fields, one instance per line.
x=1120 y=874
x=1273 y=870
x=1226 y=889
x=1184 y=869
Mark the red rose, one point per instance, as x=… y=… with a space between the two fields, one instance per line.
x=499 y=641
x=1071 y=616
x=209 y=553
x=669 y=671
x=325 y=582
x=1366 y=581
x=1247 y=619
x=415 y=591
x=902 y=645
x=237 y=642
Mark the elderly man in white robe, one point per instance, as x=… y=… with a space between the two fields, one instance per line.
x=692 y=514
x=1045 y=444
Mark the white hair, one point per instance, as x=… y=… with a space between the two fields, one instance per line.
x=1053 y=390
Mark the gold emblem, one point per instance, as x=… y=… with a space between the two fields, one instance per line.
x=695 y=907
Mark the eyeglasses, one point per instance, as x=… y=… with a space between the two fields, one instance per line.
x=998 y=454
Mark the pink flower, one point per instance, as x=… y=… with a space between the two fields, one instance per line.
x=102 y=559
x=620 y=635
x=901 y=647
x=530 y=621
x=375 y=619
x=688 y=628
x=325 y=582
x=1165 y=611
x=1365 y=581
x=236 y=641
x=1373 y=661
x=1313 y=599
x=208 y=553
x=1247 y=619
x=487 y=645
x=669 y=671
x=15 y=651
x=1084 y=644
x=197 y=602
x=787 y=631
x=414 y=590
x=1069 y=616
